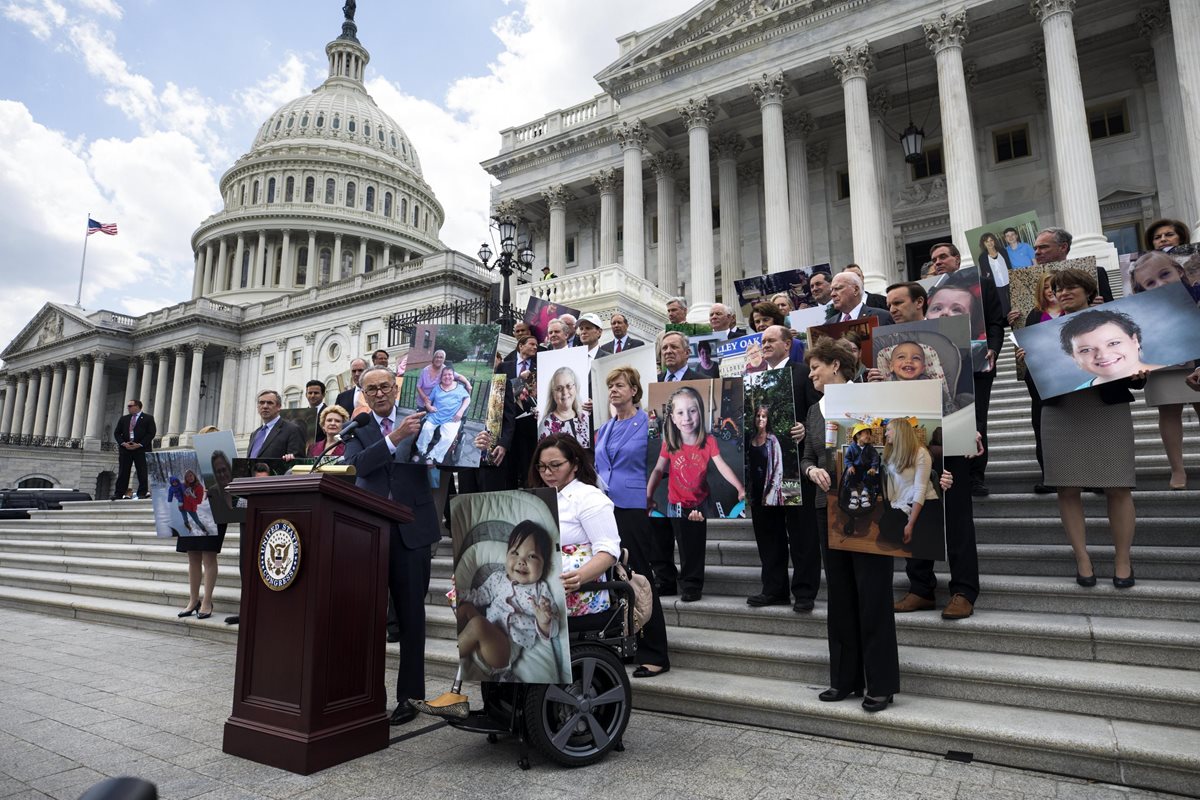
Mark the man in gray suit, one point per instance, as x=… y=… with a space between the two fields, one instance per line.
x=379 y=453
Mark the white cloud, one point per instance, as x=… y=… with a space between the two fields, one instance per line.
x=40 y=17
x=286 y=83
x=106 y=7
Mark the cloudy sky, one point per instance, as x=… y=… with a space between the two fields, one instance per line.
x=132 y=109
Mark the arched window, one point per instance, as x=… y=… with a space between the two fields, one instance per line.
x=370 y=198
x=289 y=189
x=309 y=185
x=347 y=264
x=320 y=120
x=36 y=483
x=291 y=121
x=302 y=267
x=380 y=132
x=242 y=201
x=350 y=125
x=326 y=259
x=387 y=204
x=278 y=122
x=393 y=141
x=329 y=190
x=254 y=193
x=404 y=209
x=367 y=129
x=416 y=214
x=337 y=122
x=350 y=198
x=271 y=190
x=245 y=276
x=304 y=120
x=370 y=263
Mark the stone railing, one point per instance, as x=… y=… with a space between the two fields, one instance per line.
x=604 y=290
x=19 y=440
x=556 y=122
x=111 y=319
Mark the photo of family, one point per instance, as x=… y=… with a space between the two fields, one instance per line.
x=1009 y=240
x=1143 y=332
x=178 y=495
x=938 y=350
x=957 y=294
x=508 y=599
x=216 y=452
x=449 y=376
x=789 y=289
x=694 y=454
x=884 y=497
x=539 y=312
x=772 y=457
x=562 y=390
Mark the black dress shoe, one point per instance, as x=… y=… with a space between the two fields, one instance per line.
x=403 y=713
x=690 y=597
x=233 y=620
x=979 y=489
x=760 y=600
x=801 y=606
x=1041 y=488
x=187 y=612
x=1085 y=580
x=203 y=615
x=393 y=637
x=873 y=704
x=642 y=672
x=837 y=695
x=1124 y=583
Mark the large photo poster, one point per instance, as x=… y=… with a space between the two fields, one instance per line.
x=539 y=312
x=772 y=458
x=694 y=455
x=1008 y=241
x=449 y=377
x=884 y=496
x=562 y=391
x=216 y=452
x=857 y=333
x=787 y=288
x=508 y=598
x=306 y=420
x=178 y=495
x=957 y=294
x=1146 y=331
x=640 y=359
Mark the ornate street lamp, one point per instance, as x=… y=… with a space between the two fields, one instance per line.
x=515 y=255
x=913 y=138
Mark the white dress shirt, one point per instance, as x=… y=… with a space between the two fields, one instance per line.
x=585 y=516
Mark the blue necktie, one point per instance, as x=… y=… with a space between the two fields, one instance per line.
x=259 y=438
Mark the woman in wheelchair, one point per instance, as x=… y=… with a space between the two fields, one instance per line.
x=589 y=540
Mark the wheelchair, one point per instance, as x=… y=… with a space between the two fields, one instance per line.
x=573 y=724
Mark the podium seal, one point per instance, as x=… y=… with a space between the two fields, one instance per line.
x=279 y=555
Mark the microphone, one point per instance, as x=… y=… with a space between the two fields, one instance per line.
x=348 y=430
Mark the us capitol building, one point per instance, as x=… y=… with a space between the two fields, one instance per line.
x=328 y=236
x=739 y=137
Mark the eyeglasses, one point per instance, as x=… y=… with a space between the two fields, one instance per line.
x=551 y=467
x=382 y=389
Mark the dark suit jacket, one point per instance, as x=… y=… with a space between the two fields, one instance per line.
x=346 y=400
x=609 y=348
x=833 y=315
x=143 y=432
x=689 y=375
x=284 y=438
x=380 y=473
x=876 y=301
x=993 y=313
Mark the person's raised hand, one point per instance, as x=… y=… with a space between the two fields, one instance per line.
x=409 y=426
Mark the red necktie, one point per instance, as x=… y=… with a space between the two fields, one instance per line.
x=618 y=345
x=132 y=422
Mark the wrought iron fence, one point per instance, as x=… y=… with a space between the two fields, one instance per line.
x=27 y=440
x=402 y=327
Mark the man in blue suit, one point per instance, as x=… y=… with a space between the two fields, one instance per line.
x=380 y=452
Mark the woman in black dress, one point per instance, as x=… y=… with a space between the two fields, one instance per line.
x=202 y=554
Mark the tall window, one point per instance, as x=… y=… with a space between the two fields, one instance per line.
x=309 y=185
x=254 y=193
x=347 y=264
x=843 y=185
x=370 y=198
x=302 y=267
x=1011 y=144
x=289 y=189
x=329 y=190
x=271 y=190
x=326 y=260
x=370 y=263
x=350 y=194
x=1110 y=119
x=930 y=163
x=243 y=198
x=387 y=204
x=337 y=122
x=245 y=276
x=416 y=215
x=404 y=209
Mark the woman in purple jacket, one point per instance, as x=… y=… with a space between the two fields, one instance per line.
x=621 y=464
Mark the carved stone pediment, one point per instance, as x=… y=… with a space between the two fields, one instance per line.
x=52 y=324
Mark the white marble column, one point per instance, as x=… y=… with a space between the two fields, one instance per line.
x=605 y=182
x=665 y=165
x=701 y=289
x=228 y=389
x=769 y=92
x=361 y=266
x=222 y=279
x=796 y=130
x=881 y=104
x=43 y=403
x=335 y=269
x=147 y=382
x=632 y=137
x=31 y=401
x=1185 y=23
x=945 y=36
x=287 y=269
x=1154 y=24
x=159 y=407
x=1074 y=171
x=726 y=148
x=556 y=198
x=10 y=403
x=387 y=256
x=207 y=277
x=269 y=263
x=177 y=393
x=96 y=399
x=193 y=396
x=312 y=269
x=239 y=255
x=852 y=67
x=56 y=383
x=66 y=408
x=258 y=278
x=79 y=417
x=197 y=273
x=17 y=417
x=131 y=370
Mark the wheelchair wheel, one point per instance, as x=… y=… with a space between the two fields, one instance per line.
x=578 y=723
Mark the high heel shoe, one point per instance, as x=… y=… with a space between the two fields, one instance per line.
x=1085 y=580
x=203 y=614
x=837 y=695
x=187 y=612
x=1124 y=583
x=874 y=704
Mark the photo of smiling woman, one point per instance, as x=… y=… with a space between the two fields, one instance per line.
x=1107 y=344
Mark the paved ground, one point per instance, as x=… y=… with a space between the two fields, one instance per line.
x=82 y=701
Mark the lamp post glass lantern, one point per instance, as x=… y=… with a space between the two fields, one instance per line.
x=515 y=255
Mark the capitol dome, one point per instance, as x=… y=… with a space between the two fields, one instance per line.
x=331 y=187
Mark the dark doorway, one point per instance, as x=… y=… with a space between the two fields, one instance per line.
x=916 y=255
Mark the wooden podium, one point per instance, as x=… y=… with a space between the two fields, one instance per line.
x=309 y=689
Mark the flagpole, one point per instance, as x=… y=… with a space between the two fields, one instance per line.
x=83 y=263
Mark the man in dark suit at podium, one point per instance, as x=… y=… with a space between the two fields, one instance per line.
x=379 y=453
x=134 y=435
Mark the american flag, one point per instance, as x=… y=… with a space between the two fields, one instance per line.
x=101 y=227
